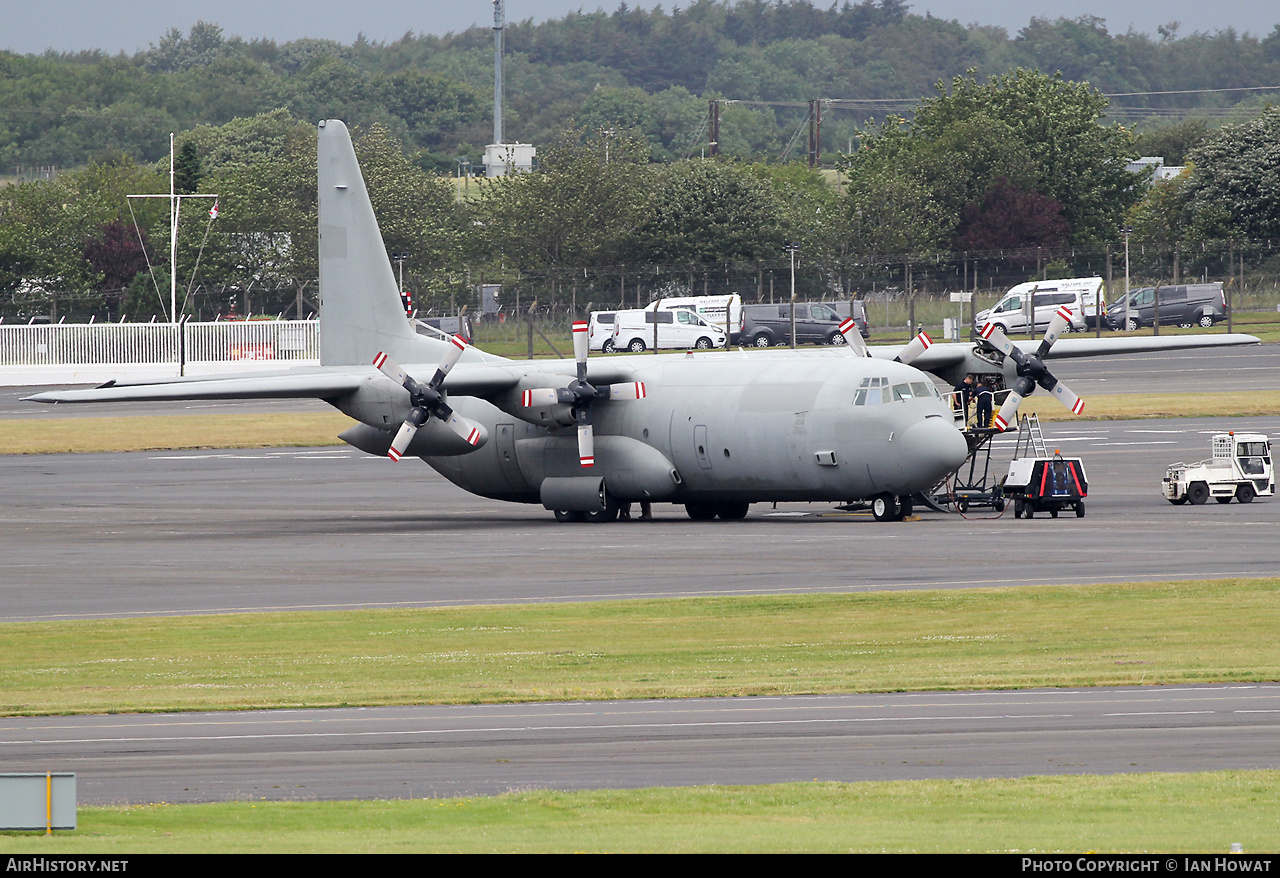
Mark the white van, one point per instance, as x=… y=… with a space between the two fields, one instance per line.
x=676 y=330
x=1013 y=313
x=710 y=308
x=600 y=331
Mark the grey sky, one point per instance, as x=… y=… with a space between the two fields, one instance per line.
x=113 y=26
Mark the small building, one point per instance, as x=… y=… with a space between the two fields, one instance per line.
x=1161 y=170
x=500 y=158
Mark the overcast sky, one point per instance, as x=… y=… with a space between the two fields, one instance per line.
x=132 y=25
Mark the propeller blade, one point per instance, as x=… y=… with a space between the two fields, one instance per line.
x=581 y=339
x=451 y=355
x=1066 y=396
x=915 y=348
x=853 y=338
x=404 y=436
x=540 y=396
x=632 y=390
x=1008 y=412
x=995 y=336
x=392 y=370
x=468 y=431
x=586 y=445
x=1057 y=326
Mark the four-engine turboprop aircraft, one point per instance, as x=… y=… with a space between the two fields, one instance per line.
x=715 y=431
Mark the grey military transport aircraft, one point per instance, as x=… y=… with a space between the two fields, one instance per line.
x=714 y=431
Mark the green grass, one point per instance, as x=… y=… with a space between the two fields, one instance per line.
x=1201 y=812
x=1144 y=633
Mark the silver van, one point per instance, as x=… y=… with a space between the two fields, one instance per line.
x=1029 y=307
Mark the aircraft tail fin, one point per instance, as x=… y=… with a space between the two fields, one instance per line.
x=360 y=309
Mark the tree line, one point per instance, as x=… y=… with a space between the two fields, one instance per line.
x=1018 y=172
x=646 y=72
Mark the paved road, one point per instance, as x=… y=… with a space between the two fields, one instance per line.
x=182 y=532
x=485 y=749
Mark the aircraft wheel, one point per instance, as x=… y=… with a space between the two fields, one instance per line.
x=564 y=515
x=608 y=347
x=885 y=507
x=1245 y=493
x=701 y=511
x=761 y=341
x=1198 y=493
x=1079 y=507
x=1223 y=500
x=905 y=506
x=636 y=346
x=733 y=511
x=703 y=344
x=1206 y=320
x=603 y=516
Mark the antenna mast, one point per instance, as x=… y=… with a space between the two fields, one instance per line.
x=499 y=22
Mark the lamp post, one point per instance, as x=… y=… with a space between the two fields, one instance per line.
x=399 y=259
x=464 y=171
x=793 y=248
x=1126 y=231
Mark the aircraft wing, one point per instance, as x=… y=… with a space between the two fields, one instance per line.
x=951 y=361
x=317 y=383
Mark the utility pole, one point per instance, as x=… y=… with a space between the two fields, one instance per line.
x=815 y=133
x=713 y=128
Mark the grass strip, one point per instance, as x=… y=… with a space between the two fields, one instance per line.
x=1138 y=406
x=54 y=435
x=1170 y=813
x=1106 y=635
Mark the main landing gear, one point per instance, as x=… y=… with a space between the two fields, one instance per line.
x=887 y=507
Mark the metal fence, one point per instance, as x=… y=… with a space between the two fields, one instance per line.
x=99 y=351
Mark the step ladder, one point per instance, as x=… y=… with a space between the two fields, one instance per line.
x=1030 y=438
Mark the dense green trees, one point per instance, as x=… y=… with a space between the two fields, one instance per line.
x=435 y=93
x=1000 y=158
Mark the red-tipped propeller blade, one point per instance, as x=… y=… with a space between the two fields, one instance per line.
x=915 y=348
x=853 y=338
x=586 y=445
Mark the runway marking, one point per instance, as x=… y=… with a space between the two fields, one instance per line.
x=536 y=728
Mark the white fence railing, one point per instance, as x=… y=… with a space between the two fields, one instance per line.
x=84 y=353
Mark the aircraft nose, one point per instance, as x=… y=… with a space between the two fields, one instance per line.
x=933 y=448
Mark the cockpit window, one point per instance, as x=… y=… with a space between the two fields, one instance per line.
x=901 y=391
x=873 y=391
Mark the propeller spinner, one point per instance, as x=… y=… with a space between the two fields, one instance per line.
x=428 y=400
x=1031 y=369
x=581 y=395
